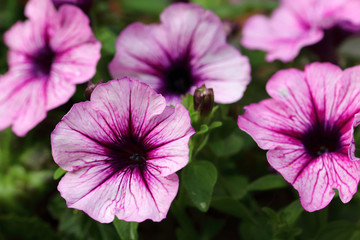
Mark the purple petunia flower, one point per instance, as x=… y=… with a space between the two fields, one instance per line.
x=296 y=24
x=121 y=151
x=188 y=49
x=307 y=128
x=49 y=54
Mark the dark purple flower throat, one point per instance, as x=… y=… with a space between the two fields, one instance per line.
x=43 y=60
x=179 y=78
x=319 y=139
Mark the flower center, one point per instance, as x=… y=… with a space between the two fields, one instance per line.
x=318 y=140
x=129 y=154
x=179 y=78
x=43 y=61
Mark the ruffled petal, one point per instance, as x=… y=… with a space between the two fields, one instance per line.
x=73 y=30
x=167 y=140
x=140 y=51
x=272 y=124
x=78 y=64
x=22 y=103
x=226 y=71
x=282 y=36
x=131 y=195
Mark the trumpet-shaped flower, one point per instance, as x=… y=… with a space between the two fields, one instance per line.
x=296 y=24
x=307 y=128
x=49 y=54
x=188 y=49
x=121 y=150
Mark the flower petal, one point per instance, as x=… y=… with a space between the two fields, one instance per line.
x=131 y=195
x=282 y=36
x=74 y=29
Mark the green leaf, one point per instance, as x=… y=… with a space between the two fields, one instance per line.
x=215 y=124
x=126 y=230
x=203 y=129
x=357 y=141
x=228 y=146
x=338 y=230
x=199 y=179
x=236 y=186
x=292 y=212
x=59 y=173
x=267 y=182
x=234 y=208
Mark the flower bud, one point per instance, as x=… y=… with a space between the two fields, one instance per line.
x=203 y=100
x=90 y=88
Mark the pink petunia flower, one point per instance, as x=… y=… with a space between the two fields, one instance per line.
x=49 y=54
x=188 y=49
x=121 y=151
x=296 y=24
x=307 y=127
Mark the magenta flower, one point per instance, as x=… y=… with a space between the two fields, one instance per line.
x=49 y=53
x=121 y=151
x=307 y=126
x=188 y=49
x=296 y=24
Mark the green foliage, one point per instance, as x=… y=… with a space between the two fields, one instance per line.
x=199 y=179
x=126 y=230
x=268 y=182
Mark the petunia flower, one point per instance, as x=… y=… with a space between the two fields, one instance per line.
x=121 y=151
x=188 y=49
x=296 y=24
x=49 y=54
x=307 y=128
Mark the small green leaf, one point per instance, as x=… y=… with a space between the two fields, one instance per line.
x=338 y=230
x=236 y=186
x=215 y=124
x=357 y=141
x=203 y=129
x=267 y=182
x=126 y=230
x=228 y=146
x=199 y=179
x=292 y=212
x=58 y=173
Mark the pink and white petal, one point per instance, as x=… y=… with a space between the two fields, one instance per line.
x=78 y=64
x=41 y=11
x=74 y=29
x=139 y=50
x=86 y=126
x=290 y=88
x=352 y=146
x=329 y=171
x=148 y=197
x=334 y=93
x=282 y=36
x=58 y=90
x=31 y=101
x=346 y=175
x=315 y=184
x=189 y=25
x=289 y=161
x=25 y=38
x=131 y=195
x=226 y=71
x=272 y=124
x=168 y=138
x=128 y=102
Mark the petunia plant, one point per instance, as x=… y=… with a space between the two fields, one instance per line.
x=137 y=119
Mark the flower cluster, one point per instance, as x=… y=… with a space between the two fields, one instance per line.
x=122 y=147
x=307 y=128
x=296 y=24
x=49 y=54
